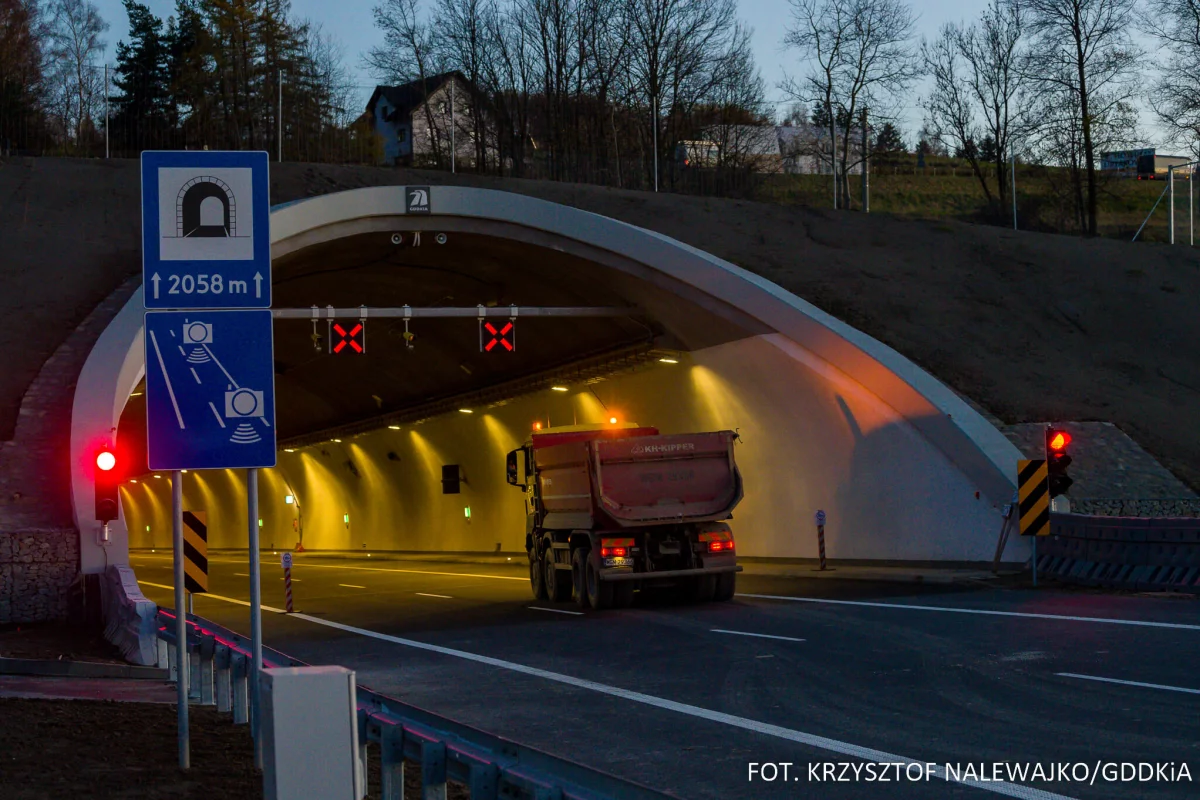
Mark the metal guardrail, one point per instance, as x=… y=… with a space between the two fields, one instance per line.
x=491 y=766
x=1158 y=554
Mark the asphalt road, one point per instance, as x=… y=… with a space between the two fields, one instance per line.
x=688 y=698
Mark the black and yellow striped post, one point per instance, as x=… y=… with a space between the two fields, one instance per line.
x=195 y=552
x=1033 y=502
x=1033 y=496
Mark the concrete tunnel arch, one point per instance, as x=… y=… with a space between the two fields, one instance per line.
x=834 y=419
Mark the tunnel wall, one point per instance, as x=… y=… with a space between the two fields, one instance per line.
x=812 y=438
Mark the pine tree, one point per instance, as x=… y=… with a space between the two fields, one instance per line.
x=144 y=108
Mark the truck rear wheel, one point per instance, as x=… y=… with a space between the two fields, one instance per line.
x=558 y=587
x=600 y=593
x=726 y=586
x=579 y=559
x=536 y=576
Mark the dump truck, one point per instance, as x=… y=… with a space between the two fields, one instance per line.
x=615 y=508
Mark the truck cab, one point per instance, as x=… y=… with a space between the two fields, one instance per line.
x=614 y=508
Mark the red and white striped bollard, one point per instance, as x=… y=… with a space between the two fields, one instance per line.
x=287 y=581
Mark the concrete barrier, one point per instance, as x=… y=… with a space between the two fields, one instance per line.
x=129 y=618
x=1141 y=554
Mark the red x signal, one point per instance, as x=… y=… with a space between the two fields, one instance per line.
x=499 y=337
x=354 y=338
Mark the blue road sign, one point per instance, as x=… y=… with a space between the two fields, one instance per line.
x=210 y=390
x=206 y=236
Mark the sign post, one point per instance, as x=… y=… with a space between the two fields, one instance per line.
x=210 y=377
x=1033 y=502
x=181 y=654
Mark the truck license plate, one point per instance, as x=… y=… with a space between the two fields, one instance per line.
x=618 y=562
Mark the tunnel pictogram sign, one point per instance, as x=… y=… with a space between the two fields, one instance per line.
x=504 y=338
x=206 y=236
x=353 y=340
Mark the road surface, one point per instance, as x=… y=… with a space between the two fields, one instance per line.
x=817 y=674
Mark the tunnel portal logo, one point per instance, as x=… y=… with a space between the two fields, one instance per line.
x=206 y=217
x=417 y=200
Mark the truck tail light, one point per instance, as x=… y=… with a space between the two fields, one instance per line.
x=718 y=545
x=615 y=548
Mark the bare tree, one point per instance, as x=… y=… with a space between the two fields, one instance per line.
x=1085 y=56
x=674 y=47
x=977 y=76
x=462 y=30
x=741 y=125
x=75 y=43
x=860 y=53
x=409 y=52
x=950 y=110
x=1176 y=97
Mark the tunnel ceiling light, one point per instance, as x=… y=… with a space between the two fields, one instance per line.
x=339 y=441
x=668 y=361
x=158 y=476
x=558 y=388
x=393 y=427
x=184 y=471
x=466 y=411
x=288 y=450
x=612 y=420
x=133 y=480
x=287 y=498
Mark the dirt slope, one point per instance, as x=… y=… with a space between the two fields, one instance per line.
x=1031 y=326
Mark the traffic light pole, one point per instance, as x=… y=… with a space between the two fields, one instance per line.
x=181 y=654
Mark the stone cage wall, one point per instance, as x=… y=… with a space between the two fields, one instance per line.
x=37 y=568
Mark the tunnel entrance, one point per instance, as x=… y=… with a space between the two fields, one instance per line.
x=829 y=418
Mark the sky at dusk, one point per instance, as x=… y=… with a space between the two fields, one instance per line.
x=349 y=21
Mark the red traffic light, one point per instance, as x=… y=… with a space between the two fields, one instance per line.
x=1059 y=441
x=105 y=460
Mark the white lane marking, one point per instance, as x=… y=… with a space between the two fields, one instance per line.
x=556 y=610
x=167 y=378
x=427 y=594
x=351 y=586
x=194 y=375
x=983 y=611
x=220 y=421
x=242 y=574
x=214 y=597
x=219 y=364
x=369 y=569
x=809 y=739
x=757 y=635
x=1128 y=683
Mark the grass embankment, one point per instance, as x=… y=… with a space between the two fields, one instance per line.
x=947 y=190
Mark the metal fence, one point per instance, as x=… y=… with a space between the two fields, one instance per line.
x=491 y=767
